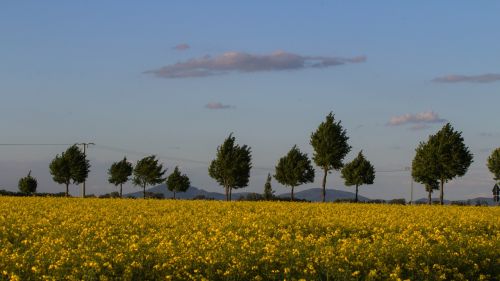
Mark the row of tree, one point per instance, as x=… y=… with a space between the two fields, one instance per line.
x=72 y=167
x=232 y=165
x=443 y=157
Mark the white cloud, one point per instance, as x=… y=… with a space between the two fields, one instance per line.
x=420 y=120
x=453 y=78
x=244 y=62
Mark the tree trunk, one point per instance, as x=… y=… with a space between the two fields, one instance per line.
x=323 y=195
x=144 y=191
x=441 y=195
x=356 y=200
x=429 y=197
x=121 y=190
x=230 y=193
x=227 y=193
x=174 y=194
x=67 y=189
x=292 y=194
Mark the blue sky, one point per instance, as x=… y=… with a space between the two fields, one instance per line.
x=92 y=71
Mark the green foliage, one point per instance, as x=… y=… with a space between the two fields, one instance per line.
x=330 y=144
x=178 y=182
x=443 y=157
x=453 y=156
x=231 y=166
x=71 y=166
x=119 y=173
x=398 y=201
x=28 y=184
x=494 y=164
x=424 y=164
x=252 y=197
x=330 y=147
x=60 y=170
x=113 y=194
x=358 y=172
x=268 y=189
x=294 y=169
x=423 y=169
x=148 y=172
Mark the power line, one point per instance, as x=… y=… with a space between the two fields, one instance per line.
x=85 y=145
x=179 y=159
x=35 y=144
x=166 y=157
x=142 y=153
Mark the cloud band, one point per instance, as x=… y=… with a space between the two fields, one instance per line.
x=241 y=62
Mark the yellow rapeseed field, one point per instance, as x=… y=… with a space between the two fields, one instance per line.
x=105 y=239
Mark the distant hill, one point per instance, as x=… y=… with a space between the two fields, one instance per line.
x=191 y=193
x=313 y=194
x=472 y=201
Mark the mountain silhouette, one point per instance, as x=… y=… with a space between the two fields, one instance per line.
x=312 y=194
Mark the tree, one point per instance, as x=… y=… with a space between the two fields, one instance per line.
x=28 y=184
x=119 y=173
x=71 y=166
x=494 y=164
x=178 y=182
x=358 y=172
x=294 y=169
x=231 y=166
x=268 y=190
x=148 y=172
x=430 y=187
x=330 y=147
x=423 y=169
x=444 y=157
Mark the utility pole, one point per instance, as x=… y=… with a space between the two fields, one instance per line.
x=411 y=185
x=84 y=144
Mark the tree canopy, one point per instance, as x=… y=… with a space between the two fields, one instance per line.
x=148 y=171
x=70 y=166
x=358 y=172
x=494 y=164
x=423 y=168
x=28 y=184
x=443 y=157
x=231 y=166
x=119 y=173
x=329 y=142
x=268 y=189
x=178 y=182
x=294 y=169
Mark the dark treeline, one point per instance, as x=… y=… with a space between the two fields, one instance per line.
x=443 y=157
x=248 y=197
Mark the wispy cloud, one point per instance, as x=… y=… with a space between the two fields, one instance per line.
x=182 y=47
x=217 y=105
x=483 y=78
x=420 y=121
x=241 y=62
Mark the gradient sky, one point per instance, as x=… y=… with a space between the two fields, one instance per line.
x=175 y=78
